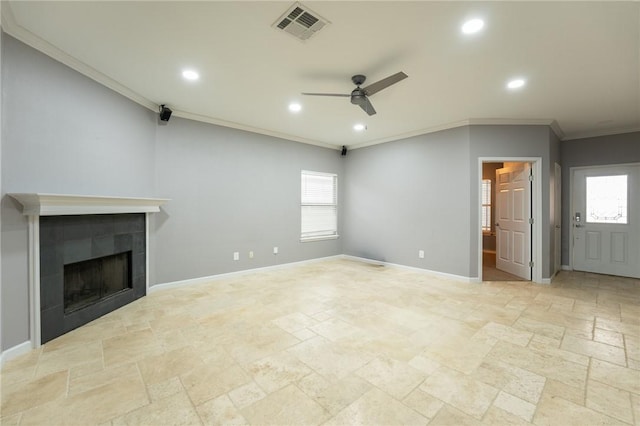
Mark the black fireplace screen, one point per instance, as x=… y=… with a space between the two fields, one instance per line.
x=92 y=280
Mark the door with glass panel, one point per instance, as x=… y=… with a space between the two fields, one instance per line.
x=606 y=220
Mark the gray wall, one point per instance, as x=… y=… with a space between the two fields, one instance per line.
x=232 y=191
x=420 y=193
x=394 y=202
x=62 y=133
x=512 y=141
x=555 y=156
x=599 y=151
x=396 y=195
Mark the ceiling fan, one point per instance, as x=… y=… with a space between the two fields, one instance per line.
x=360 y=95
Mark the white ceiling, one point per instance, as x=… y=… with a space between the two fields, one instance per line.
x=580 y=61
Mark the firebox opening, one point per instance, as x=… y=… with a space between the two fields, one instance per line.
x=90 y=281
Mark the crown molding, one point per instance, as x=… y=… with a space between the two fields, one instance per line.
x=553 y=124
x=238 y=126
x=11 y=27
x=557 y=130
x=596 y=134
x=411 y=134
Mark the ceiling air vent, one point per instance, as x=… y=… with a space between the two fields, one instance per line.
x=300 y=21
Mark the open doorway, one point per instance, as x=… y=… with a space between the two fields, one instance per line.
x=494 y=206
x=510 y=234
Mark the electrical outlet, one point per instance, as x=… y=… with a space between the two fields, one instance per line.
x=250 y=255
x=421 y=254
x=275 y=250
x=236 y=255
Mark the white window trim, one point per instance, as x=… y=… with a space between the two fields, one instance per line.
x=321 y=237
x=311 y=239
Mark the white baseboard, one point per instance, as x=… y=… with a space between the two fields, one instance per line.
x=200 y=280
x=15 y=352
x=566 y=267
x=413 y=268
x=548 y=281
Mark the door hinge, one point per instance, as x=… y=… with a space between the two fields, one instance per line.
x=530 y=221
x=530 y=178
x=531 y=264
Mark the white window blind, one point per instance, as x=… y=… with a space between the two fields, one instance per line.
x=486 y=205
x=319 y=205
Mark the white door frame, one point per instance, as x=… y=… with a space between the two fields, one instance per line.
x=557 y=216
x=571 y=206
x=536 y=232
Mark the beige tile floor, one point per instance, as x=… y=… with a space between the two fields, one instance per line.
x=341 y=342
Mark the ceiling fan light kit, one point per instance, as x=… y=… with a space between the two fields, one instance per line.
x=360 y=96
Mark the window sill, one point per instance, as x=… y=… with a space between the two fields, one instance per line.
x=326 y=237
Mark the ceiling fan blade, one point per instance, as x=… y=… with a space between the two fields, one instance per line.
x=327 y=94
x=384 y=83
x=365 y=104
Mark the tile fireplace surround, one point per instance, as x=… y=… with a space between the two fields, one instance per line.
x=68 y=240
x=92 y=226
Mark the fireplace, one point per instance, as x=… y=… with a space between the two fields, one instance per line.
x=65 y=229
x=90 y=281
x=90 y=265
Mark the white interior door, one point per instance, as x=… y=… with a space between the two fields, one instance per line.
x=513 y=211
x=606 y=220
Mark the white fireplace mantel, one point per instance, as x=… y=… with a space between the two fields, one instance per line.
x=38 y=204
x=35 y=205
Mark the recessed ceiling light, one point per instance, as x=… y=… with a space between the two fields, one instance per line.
x=190 y=75
x=295 y=107
x=359 y=127
x=472 y=26
x=515 y=83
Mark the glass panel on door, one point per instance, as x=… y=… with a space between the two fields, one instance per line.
x=606 y=199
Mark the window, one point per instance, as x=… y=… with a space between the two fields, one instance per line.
x=318 y=206
x=486 y=205
x=607 y=199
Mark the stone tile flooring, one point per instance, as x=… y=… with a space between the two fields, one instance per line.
x=341 y=342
